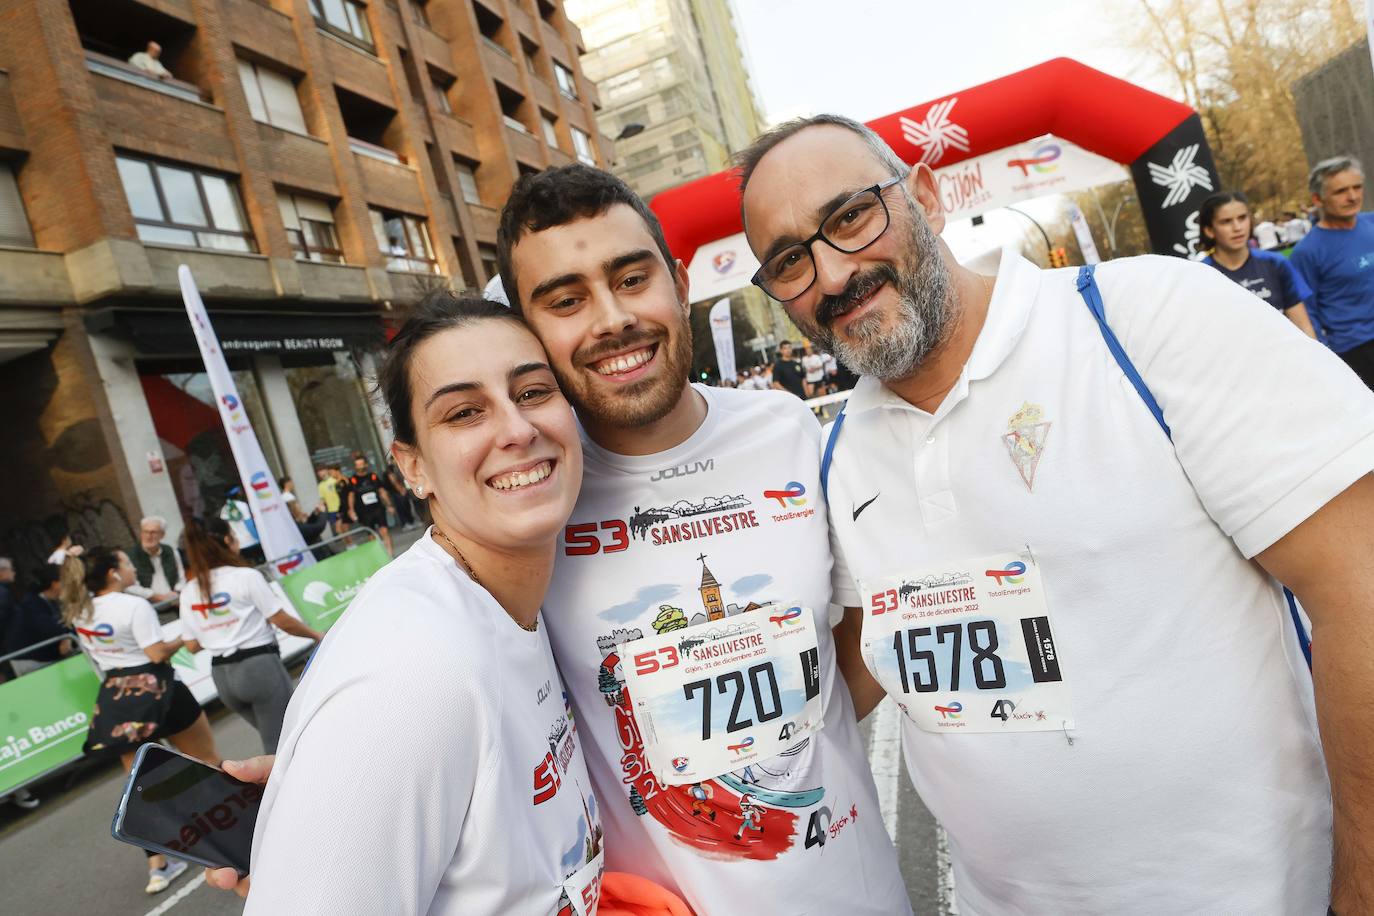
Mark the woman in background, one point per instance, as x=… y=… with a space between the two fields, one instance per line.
x=234 y=624
x=140 y=697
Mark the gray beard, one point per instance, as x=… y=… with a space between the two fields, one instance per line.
x=923 y=318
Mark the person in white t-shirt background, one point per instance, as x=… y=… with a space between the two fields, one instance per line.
x=141 y=698
x=1155 y=749
x=813 y=367
x=235 y=625
x=699 y=505
x=435 y=696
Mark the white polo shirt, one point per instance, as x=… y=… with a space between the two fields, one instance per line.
x=1191 y=778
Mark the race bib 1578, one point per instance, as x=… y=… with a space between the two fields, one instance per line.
x=968 y=646
x=726 y=693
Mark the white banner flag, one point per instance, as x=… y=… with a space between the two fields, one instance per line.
x=1084 y=234
x=723 y=333
x=281 y=539
x=1049 y=165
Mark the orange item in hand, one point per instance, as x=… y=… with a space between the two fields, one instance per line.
x=624 y=894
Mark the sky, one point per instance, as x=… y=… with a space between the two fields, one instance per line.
x=869 y=58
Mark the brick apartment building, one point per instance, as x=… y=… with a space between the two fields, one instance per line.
x=316 y=163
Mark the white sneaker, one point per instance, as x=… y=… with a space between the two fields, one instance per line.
x=159 y=879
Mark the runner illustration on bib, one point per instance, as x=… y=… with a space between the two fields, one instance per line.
x=968 y=646
x=717 y=712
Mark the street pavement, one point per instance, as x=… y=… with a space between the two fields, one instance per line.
x=61 y=859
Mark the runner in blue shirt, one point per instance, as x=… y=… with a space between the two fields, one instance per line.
x=1225 y=222
x=1337 y=261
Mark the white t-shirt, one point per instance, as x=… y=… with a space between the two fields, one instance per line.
x=235 y=616
x=742 y=493
x=119 y=630
x=428 y=762
x=831 y=367
x=1195 y=779
x=1267 y=234
x=814 y=364
x=240 y=519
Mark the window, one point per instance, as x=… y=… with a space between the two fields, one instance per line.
x=583 y=145
x=567 y=83
x=271 y=96
x=441 y=99
x=404 y=239
x=310 y=226
x=346 y=18
x=173 y=205
x=487 y=254
x=550 y=129
x=531 y=52
x=14 y=225
x=467 y=181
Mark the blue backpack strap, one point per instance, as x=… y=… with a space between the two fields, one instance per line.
x=1087 y=288
x=829 y=454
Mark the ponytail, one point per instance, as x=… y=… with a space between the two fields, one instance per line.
x=81 y=577
x=75 y=597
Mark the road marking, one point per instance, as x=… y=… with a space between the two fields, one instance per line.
x=945 y=872
x=180 y=895
x=885 y=757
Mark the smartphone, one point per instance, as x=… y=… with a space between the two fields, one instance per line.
x=181 y=807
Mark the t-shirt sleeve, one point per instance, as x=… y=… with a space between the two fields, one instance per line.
x=377 y=767
x=844 y=591
x=187 y=618
x=261 y=593
x=1268 y=425
x=1295 y=288
x=144 y=623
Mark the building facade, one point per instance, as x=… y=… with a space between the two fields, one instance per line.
x=317 y=164
x=677 y=68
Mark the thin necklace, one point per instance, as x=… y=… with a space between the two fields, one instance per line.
x=532 y=628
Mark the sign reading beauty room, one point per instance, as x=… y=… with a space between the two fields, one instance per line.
x=323 y=591
x=44 y=716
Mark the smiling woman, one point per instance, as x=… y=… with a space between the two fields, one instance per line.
x=435 y=699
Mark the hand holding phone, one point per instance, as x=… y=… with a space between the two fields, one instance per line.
x=178 y=806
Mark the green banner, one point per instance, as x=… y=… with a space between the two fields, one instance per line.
x=44 y=716
x=321 y=592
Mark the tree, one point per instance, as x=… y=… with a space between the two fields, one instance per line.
x=1235 y=62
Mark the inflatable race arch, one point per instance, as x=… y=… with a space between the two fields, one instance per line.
x=1160 y=140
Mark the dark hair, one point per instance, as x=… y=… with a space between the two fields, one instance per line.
x=748 y=158
x=207 y=550
x=556 y=197
x=83 y=575
x=46 y=575
x=437 y=311
x=1207 y=213
x=357 y=454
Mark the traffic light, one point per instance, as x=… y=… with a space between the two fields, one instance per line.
x=1059 y=257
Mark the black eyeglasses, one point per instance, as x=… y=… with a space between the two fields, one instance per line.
x=852 y=226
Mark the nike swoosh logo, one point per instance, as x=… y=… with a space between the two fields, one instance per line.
x=865 y=505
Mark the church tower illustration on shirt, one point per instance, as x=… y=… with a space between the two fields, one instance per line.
x=710 y=593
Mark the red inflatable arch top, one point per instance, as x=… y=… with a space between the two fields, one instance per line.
x=1103 y=114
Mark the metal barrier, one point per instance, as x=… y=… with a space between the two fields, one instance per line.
x=824 y=406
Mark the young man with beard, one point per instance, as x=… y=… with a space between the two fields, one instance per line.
x=1105 y=702
x=699 y=505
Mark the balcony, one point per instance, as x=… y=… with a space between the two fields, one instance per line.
x=372 y=150
x=434 y=49
x=498 y=63
x=11 y=131
x=526 y=148
x=390 y=184
x=138 y=117
x=218 y=274
x=457 y=136
x=257 y=26
x=118 y=69
x=297 y=160
x=29 y=277
x=485 y=221
x=333 y=282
